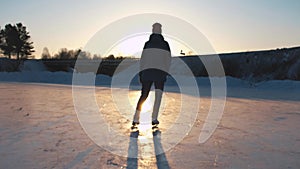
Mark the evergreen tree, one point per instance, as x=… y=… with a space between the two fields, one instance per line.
x=7 y=34
x=1 y=41
x=16 y=41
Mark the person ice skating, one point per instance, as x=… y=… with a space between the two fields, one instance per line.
x=154 y=66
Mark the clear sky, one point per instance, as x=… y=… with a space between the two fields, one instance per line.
x=230 y=25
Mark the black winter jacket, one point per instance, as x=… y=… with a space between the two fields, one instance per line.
x=155 y=60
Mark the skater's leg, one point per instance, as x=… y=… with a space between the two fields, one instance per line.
x=136 y=117
x=159 y=87
x=146 y=86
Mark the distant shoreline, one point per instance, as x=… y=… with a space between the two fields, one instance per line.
x=256 y=66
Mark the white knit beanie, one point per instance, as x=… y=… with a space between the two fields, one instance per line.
x=156 y=28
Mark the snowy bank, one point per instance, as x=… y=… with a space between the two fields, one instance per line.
x=104 y=80
x=257 y=66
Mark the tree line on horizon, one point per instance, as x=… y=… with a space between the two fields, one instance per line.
x=15 y=43
x=66 y=54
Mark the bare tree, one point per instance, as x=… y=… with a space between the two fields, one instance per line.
x=46 y=54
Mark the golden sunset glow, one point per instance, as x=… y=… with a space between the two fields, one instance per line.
x=132 y=46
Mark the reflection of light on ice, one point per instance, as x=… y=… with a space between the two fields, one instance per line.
x=146 y=143
x=146 y=113
x=145 y=138
x=144 y=127
x=148 y=104
x=145 y=118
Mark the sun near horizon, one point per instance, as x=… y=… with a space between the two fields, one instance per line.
x=230 y=26
x=132 y=46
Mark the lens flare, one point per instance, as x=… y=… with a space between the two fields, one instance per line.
x=145 y=117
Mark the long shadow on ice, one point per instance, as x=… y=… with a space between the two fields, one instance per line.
x=133 y=151
x=161 y=159
x=132 y=156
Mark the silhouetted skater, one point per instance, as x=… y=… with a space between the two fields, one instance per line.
x=154 y=66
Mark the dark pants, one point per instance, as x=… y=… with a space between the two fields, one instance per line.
x=146 y=86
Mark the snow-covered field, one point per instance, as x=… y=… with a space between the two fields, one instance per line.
x=39 y=127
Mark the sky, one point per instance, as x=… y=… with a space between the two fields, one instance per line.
x=230 y=26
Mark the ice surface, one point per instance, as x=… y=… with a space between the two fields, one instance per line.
x=39 y=126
